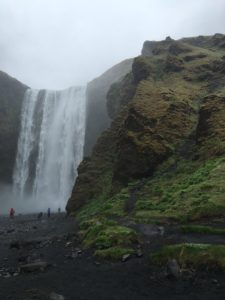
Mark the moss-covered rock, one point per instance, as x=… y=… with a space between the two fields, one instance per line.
x=195 y=255
x=167 y=133
x=97 y=118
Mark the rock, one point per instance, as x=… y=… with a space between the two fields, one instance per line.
x=15 y=245
x=173 y=269
x=139 y=253
x=161 y=230
x=23 y=258
x=125 y=257
x=35 y=266
x=55 y=296
x=68 y=244
x=215 y=281
x=79 y=251
x=141 y=69
x=74 y=255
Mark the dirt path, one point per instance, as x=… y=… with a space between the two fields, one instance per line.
x=75 y=274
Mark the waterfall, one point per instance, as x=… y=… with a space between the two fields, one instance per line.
x=50 y=146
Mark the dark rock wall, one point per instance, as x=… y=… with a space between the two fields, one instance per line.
x=11 y=97
x=97 y=118
x=174 y=97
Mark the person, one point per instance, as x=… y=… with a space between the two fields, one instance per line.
x=59 y=210
x=11 y=213
x=48 y=212
x=40 y=215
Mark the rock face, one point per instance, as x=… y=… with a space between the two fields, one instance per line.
x=170 y=103
x=11 y=97
x=97 y=116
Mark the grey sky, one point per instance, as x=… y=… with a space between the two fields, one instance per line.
x=59 y=43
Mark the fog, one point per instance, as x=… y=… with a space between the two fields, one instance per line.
x=59 y=43
x=21 y=205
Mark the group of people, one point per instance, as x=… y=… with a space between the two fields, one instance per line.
x=12 y=213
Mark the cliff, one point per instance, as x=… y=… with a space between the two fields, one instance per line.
x=11 y=96
x=97 y=119
x=167 y=114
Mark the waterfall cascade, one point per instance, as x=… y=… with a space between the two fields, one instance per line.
x=50 y=146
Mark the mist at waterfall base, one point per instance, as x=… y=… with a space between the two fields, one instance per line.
x=50 y=148
x=9 y=199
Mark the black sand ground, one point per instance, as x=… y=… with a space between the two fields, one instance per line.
x=78 y=275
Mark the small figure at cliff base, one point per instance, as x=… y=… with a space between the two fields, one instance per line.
x=11 y=213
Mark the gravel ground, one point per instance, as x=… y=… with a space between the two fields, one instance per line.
x=58 y=267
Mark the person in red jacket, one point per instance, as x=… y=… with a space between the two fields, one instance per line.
x=11 y=213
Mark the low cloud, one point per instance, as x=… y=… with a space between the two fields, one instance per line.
x=59 y=43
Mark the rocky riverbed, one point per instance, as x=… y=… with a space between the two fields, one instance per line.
x=44 y=259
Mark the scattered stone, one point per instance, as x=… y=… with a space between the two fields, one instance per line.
x=74 y=255
x=139 y=253
x=23 y=258
x=161 y=230
x=68 y=244
x=14 y=245
x=35 y=266
x=173 y=269
x=55 y=296
x=7 y=275
x=79 y=251
x=10 y=230
x=187 y=274
x=215 y=281
x=125 y=257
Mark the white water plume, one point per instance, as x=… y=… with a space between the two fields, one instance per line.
x=50 y=146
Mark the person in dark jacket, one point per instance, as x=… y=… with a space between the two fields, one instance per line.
x=48 y=212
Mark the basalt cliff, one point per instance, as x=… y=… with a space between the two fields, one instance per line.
x=166 y=142
x=11 y=98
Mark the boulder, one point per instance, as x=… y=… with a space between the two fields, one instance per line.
x=173 y=269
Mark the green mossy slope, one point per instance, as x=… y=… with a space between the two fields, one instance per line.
x=163 y=157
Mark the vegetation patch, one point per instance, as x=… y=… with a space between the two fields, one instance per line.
x=183 y=190
x=196 y=255
x=202 y=229
x=114 y=253
x=104 y=205
x=103 y=234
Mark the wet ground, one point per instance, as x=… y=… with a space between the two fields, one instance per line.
x=58 y=267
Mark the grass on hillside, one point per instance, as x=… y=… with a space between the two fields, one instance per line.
x=195 y=255
x=192 y=191
x=202 y=229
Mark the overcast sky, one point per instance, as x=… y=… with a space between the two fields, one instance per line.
x=59 y=43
